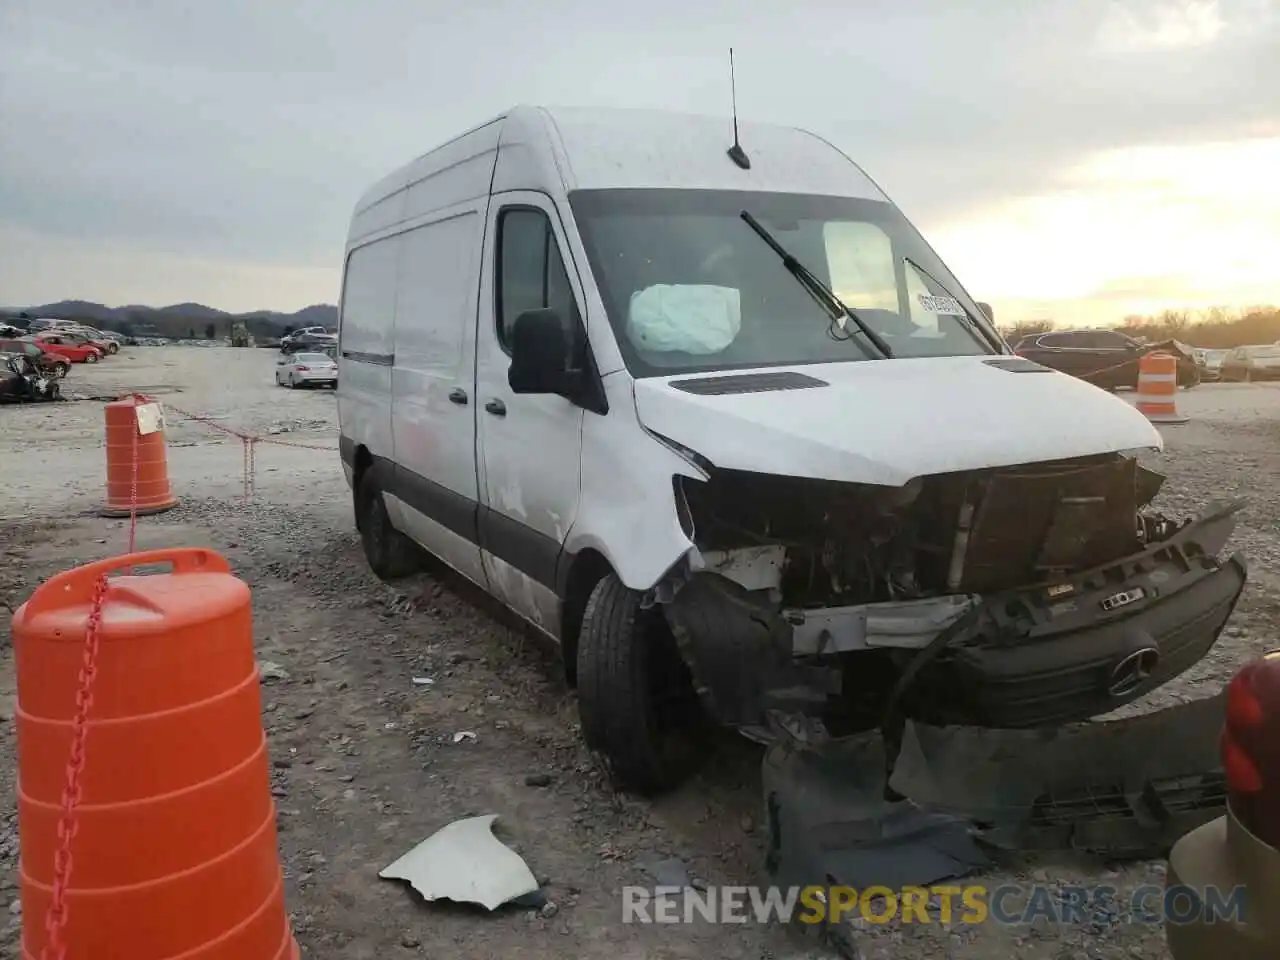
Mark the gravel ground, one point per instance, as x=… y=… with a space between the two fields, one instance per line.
x=365 y=764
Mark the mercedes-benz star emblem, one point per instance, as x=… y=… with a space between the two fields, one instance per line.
x=1131 y=672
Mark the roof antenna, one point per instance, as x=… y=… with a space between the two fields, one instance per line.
x=736 y=153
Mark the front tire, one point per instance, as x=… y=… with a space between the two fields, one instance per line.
x=91 y=358
x=636 y=700
x=391 y=555
x=113 y=349
x=61 y=369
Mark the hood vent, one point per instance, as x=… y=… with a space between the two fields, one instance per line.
x=747 y=383
x=1017 y=365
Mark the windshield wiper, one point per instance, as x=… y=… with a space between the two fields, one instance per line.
x=820 y=292
x=971 y=326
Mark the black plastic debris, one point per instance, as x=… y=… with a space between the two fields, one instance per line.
x=1119 y=788
x=1122 y=789
x=829 y=824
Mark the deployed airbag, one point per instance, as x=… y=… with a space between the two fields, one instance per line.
x=688 y=318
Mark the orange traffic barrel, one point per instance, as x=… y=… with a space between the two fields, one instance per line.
x=175 y=852
x=1158 y=388
x=137 y=466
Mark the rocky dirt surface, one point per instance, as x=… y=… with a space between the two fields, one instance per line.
x=366 y=757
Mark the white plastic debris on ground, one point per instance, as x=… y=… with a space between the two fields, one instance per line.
x=464 y=862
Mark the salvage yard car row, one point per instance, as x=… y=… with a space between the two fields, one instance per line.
x=31 y=364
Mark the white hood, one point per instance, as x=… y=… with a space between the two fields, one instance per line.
x=888 y=421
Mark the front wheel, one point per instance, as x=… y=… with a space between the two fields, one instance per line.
x=91 y=358
x=113 y=349
x=390 y=553
x=61 y=369
x=636 y=700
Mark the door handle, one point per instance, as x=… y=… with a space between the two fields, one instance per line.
x=459 y=396
x=496 y=407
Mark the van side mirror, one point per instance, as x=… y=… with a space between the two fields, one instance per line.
x=543 y=345
x=986 y=308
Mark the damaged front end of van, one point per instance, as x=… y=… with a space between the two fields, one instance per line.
x=913 y=637
x=1010 y=598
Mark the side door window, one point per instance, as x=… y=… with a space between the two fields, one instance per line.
x=531 y=272
x=531 y=443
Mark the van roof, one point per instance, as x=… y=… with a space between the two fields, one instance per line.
x=602 y=148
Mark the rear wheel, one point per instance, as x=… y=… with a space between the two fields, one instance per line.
x=636 y=699
x=390 y=553
x=113 y=348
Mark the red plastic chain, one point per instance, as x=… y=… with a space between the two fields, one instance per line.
x=55 y=921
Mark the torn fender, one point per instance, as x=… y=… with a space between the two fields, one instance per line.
x=627 y=511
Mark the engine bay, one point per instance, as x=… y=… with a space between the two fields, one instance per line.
x=963 y=533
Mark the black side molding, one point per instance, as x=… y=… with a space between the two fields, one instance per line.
x=379 y=359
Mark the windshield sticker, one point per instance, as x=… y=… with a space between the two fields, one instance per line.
x=948 y=306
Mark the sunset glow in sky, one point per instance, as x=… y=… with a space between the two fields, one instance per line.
x=1074 y=159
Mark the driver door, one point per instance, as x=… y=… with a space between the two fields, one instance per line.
x=529 y=445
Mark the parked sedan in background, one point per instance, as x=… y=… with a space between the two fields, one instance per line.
x=1210 y=362
x=94 y=339
x=43 y=357
x=1103 y=357
x=105 y=338
x=307 y=370
x=1252 y=362
x=73 y=348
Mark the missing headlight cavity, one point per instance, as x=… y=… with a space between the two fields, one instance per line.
x=813 y=597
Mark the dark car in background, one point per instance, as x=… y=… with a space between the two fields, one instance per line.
x=21 y=381
x=45 y=359
x=309 y=339
x=1102 y=357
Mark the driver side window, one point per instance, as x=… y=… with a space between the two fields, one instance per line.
x=530 y=272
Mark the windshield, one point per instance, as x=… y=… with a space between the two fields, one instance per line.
x=689 y=286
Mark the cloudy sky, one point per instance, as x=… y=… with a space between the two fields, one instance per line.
x=1080 y=159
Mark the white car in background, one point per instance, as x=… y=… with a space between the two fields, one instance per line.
x=306 y=370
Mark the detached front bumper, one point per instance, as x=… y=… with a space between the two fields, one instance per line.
x=1091 y=643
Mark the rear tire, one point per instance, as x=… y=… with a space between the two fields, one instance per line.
x=391 y=555
x=113 y=349
x=636 y=700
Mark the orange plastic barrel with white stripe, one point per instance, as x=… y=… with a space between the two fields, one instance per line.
x=1158 y=388
x=137 y=463
x=175 y=851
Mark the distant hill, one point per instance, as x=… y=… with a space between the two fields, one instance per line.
x=181 y=320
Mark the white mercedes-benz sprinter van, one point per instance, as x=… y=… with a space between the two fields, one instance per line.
x=720 y=422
